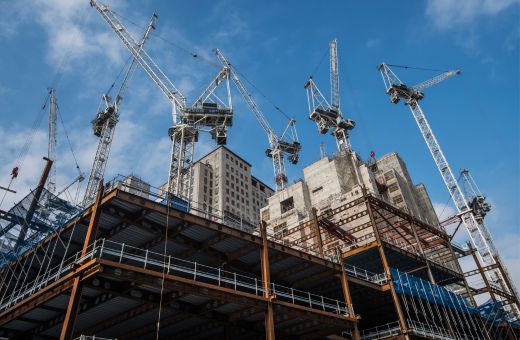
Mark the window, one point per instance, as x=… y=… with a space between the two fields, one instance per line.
x=393 y=187
x=389 y=175
x=279 y=229
x=286 y=205
x=397 y=199
x=241 y=167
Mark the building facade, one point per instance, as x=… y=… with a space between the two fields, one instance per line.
x=333 y=182
x=224 y=186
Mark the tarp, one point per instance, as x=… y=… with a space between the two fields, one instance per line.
x=414 y=286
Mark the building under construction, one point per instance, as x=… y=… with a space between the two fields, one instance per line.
x=352 y=251
x=133 y=266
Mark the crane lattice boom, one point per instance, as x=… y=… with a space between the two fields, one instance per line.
x=477 y=230
x=278 y=146
x=105 y=122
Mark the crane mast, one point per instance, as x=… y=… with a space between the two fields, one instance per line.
x=104 y=125
x=278 y=146
x=328 y=116
x=51 y=152
x=475 y=226
x=186 y=120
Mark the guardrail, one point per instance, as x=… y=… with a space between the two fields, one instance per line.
x=143 y=258
x=382 y=331
x=379 y=279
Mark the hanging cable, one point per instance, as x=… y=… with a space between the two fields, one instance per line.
x=168 y=202
x=319 y=63
x=417 y=68
x=176 y=45
x=68 y=141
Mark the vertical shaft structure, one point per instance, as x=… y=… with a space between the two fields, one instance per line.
x=51 y=152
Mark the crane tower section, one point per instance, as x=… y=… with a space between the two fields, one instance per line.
x=328 y=116
x=51 y=152
x=205 y=114
x=473 y=221
x=103 y=125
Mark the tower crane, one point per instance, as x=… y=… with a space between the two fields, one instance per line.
x=328 y=116
x=279 y=146
x=471 y=217
x=187 y=120
x=105 y=122
x=51 y=150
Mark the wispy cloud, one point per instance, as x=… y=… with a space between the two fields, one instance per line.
x=373 y=43
x=447 y=14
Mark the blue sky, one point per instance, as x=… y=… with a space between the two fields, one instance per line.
x=277 y=45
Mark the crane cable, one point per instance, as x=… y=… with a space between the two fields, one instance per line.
x=207 y=61
x=417 y=68
x=20 y=159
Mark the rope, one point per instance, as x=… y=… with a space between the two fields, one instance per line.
x=168 y=200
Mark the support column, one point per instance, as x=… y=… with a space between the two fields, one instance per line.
x=481 y=271
x=317 y=232
x=269 y=313
x=382 y=255
x=346 y=295
x=69 y=323
x=423 y=254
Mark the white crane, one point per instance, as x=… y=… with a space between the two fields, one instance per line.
x=104 y=125
x=473 y=221
x=279 y=146
x=328 y=116
x=51 y=150
x=187 y=121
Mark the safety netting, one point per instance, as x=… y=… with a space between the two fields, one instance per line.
x=26 y=224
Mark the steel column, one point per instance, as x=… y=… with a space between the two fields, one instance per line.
x=317 y=232
x=69 y=323
x=346 y=294
x=269 y=314
x=395 y=297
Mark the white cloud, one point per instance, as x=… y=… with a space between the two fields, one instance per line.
x=447 y=14
x=373 y=43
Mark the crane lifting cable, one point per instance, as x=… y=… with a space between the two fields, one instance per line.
x=417 y=68
x=174 y=44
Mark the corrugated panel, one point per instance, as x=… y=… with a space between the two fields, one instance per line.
x=102 y=311
x=195 y=299
x=198 y=233
x=40 y=314
x=229 y=308
x=253 y=257
x=229 y=245
x=133 y=236
x=286 y=263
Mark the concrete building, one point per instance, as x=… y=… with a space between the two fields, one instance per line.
x=224 y=186
x=333 y=182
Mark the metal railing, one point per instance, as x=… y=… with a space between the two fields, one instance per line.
x=143 y=258
x=382 y=331
x=360 y=273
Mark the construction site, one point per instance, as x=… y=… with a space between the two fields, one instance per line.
x=352 y=250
